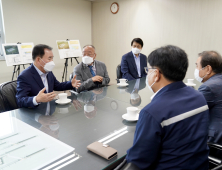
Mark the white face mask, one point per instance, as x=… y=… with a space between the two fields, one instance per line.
x=196 y=75
x=136 y=50
x=87 y=60
x=147 y=84
x=134 y=96
x=49 y=66
x=89 y=107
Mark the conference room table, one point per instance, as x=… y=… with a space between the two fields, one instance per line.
x=73 y=125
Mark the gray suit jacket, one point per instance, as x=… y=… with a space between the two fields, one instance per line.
x=212 y=91
x=83 y=74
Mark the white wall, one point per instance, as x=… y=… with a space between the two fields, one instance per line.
x=45 y=21
x=193 y=25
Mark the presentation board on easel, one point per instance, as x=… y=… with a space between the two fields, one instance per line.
x=17 y=54
x=69 y=48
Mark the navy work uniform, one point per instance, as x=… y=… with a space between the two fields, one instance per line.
x=171 y=132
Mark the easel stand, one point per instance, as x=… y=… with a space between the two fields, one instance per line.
x=17 y=71
x=66 y=65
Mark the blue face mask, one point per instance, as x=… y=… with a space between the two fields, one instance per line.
x=147 y=84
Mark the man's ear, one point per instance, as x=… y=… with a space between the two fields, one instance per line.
x=37 y=59
x=94 y=57
x=209 y=69
x=157 y=76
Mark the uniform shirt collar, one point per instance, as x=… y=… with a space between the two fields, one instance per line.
x=155 y=94
x=170 y=87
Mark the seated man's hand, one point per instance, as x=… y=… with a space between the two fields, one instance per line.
x=97 y=79
x=75 y=83
x=44 y=97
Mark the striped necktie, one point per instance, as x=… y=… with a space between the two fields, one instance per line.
x=91 y=70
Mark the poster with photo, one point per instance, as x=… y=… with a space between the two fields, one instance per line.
x=68 y=49
x=16 y=54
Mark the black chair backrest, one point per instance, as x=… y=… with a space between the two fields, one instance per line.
x=118 y=72
x=2 y=105
x=8 y=93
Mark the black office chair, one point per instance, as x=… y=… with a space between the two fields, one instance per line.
x=2 y=105
x=215 y=163
x=117 y=164
x=118 y=73
x=8 y=93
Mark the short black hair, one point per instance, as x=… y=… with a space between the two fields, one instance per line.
x=38 y=50
x=172 y=62
x=213 y=59
x=137 y=40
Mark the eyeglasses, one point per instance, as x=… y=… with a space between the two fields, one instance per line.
x=88 y=54
x=147 y=69
x=202 y=67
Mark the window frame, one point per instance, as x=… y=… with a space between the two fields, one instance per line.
x=2 y=32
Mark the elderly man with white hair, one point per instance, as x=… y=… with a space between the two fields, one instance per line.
x=91 y=73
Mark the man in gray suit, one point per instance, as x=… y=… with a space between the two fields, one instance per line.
x=91 y=73
x=208 y=71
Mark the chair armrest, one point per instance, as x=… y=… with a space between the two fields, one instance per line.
x=214 y=160
x=214 y=145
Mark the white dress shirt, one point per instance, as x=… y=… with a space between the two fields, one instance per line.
x=45 y=83
x=137 y=61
